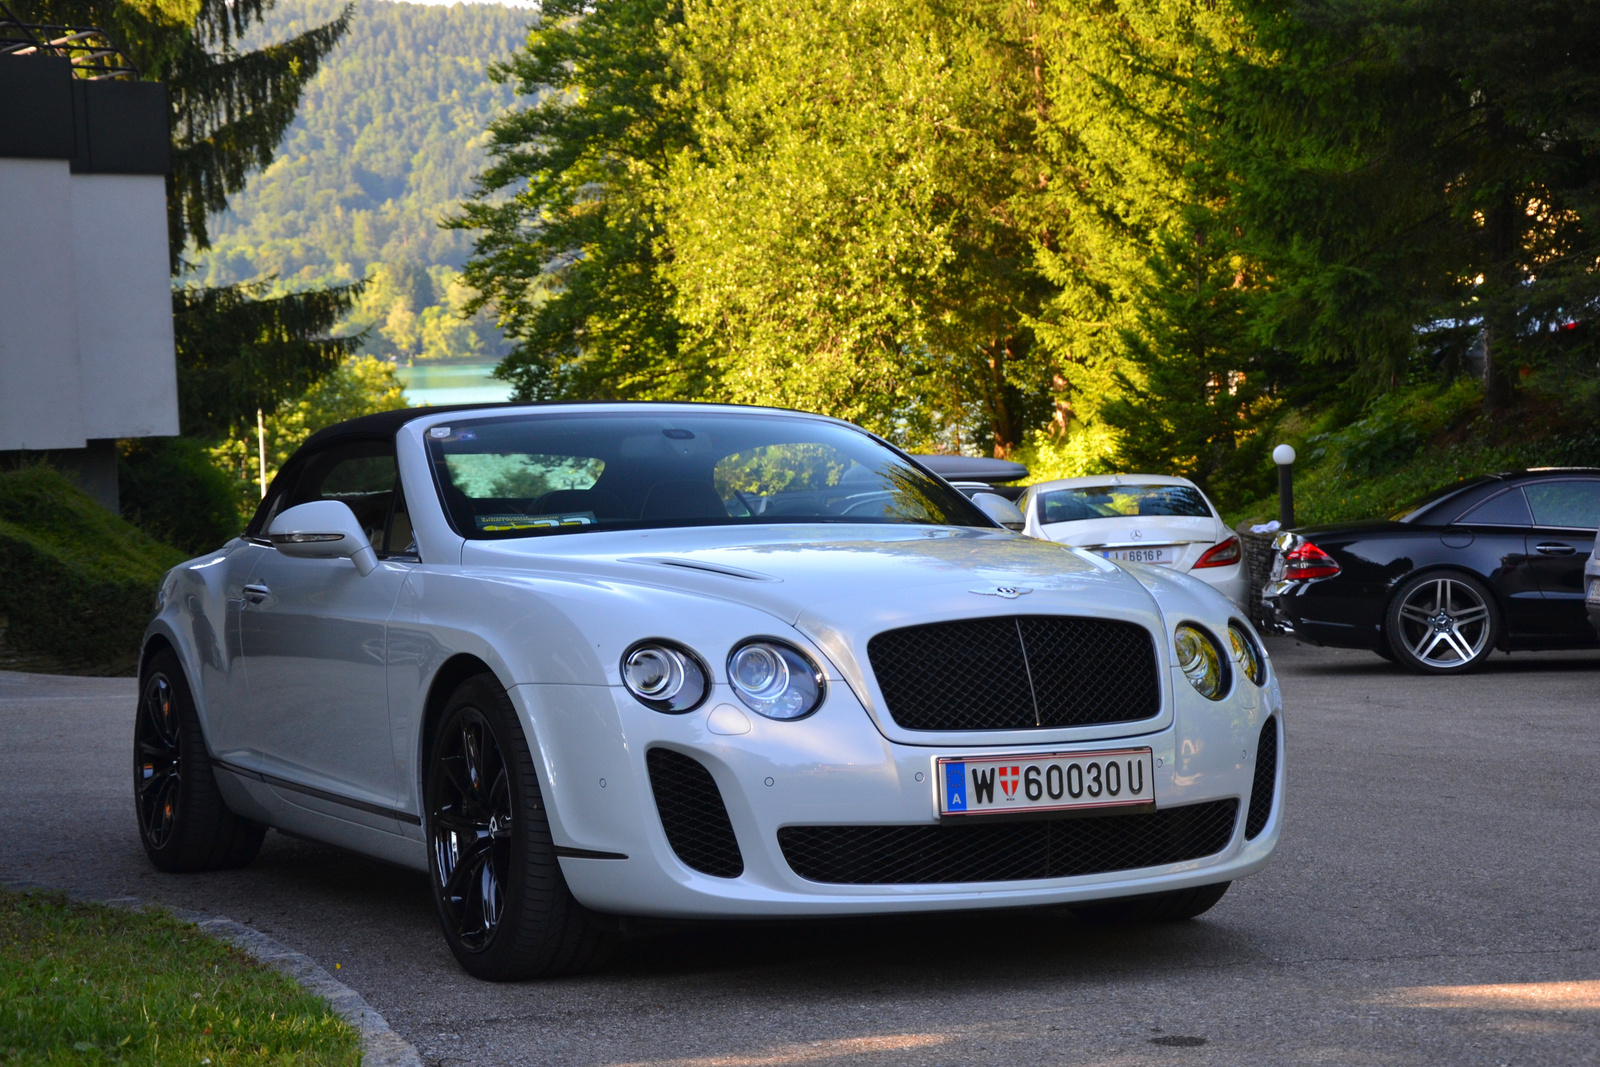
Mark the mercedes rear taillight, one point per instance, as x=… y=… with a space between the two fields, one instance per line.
x=1306 y=560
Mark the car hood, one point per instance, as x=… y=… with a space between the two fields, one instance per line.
x=840 y=577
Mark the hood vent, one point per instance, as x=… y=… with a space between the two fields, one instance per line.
x=702 y=566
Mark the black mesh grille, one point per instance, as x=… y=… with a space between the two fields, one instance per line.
x=693 y=815
x=1017 y=672
x=1266 y=781
x=999 y=852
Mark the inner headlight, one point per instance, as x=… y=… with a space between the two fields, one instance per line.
x=774 y=680
x=1246 y=654
x=664 y=677
x=1201 y=661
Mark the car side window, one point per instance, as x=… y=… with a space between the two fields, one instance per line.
x=399 y=540
x=362 y=474
x=1569 y=504
x=1509 y=508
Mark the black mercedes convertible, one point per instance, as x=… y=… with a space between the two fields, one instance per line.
x=1493 y=562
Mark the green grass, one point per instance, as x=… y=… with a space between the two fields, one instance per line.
x=79 y=581
x=90 y=984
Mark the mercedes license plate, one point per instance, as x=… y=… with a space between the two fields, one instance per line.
x=1058 y=781
x=1166 y=556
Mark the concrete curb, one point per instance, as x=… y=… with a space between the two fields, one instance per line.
x=380 y=1046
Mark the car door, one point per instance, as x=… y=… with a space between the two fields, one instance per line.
x=1493 y=539
x=1566 y=512
x=313 y=640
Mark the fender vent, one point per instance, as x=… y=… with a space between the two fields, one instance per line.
x=1265 y=785
x=693 y=815
x=1007 y=851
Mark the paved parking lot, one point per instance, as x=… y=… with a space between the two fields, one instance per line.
x=1436 y=899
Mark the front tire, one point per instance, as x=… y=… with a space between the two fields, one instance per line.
x=1442 y=622
x=1176 y=905
x=183 y=822
x=506 y=910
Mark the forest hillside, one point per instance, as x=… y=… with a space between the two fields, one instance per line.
x=389 y=136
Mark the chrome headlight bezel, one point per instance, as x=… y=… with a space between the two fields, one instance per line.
x=775 y=679
x=1200 y=657
x=1247 y=653
x=687 y=682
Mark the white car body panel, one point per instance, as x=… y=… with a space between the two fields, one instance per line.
x=1190 y=536
x=333 y=748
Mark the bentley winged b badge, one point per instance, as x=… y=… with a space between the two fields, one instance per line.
x=1006 y=592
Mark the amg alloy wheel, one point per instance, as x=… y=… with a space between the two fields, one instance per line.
x=503 y=903
x=1442 y=623
x=183 y=821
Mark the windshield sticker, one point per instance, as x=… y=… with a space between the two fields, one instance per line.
x=502 y=523
x=439 y=433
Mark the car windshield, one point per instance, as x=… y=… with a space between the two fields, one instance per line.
x=1114 y=501
x=575 y=472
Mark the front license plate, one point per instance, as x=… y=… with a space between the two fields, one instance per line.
x=1142 y=555
x=1003 y=785
x=1594 y=591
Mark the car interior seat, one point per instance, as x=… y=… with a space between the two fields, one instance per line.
x=683 y=500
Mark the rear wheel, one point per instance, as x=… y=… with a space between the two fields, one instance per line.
x=1173 y=906
x=1442 y=623
x=183 y=821
x=506 y=910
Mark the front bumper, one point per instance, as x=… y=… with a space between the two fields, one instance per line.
x=836 y=769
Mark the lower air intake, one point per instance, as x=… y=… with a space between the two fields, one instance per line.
x=693 y=815
x=1007 y=851
x=1265 y=785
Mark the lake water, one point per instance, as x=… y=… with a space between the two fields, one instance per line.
x=452 y=383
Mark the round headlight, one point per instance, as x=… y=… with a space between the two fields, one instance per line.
x=1201 y=661
x=774 y=680
x=664 y=677
x=1246 y=654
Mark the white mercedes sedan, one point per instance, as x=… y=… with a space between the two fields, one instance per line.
x=586 y=661
x=1156 y=519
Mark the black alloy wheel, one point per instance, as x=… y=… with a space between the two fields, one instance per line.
x=505 y=907
x=157 y=760
x=184 y=823
x=1442 y=622
x=471 y=818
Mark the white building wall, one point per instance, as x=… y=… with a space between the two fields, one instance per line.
x=40 y=379
x=124 y=305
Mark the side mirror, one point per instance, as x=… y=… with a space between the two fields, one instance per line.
x=323 y=529
x=1000 y=510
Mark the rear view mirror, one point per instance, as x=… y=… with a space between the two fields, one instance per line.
x=1000 y=510
x=323 y=529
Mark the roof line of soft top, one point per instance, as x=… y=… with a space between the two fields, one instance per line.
x=388 y=423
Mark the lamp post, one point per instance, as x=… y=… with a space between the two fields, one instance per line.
x=1283 y=456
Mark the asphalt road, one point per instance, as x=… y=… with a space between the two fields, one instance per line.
x=1435 y=899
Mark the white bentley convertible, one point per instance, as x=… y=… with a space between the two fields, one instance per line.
x=580 y=661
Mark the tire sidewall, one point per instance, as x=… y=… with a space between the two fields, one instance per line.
x=1393 y=631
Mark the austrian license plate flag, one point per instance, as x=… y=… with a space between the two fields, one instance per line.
x=1000 y=785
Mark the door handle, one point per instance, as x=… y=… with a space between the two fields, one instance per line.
x=1554 y=548
x=256 y=593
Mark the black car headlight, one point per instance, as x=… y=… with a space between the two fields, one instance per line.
x=665 y=676
x=1201 y=661
x=775 y=680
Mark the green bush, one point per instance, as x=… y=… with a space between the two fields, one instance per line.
x=173 y=491
x=78 y=582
